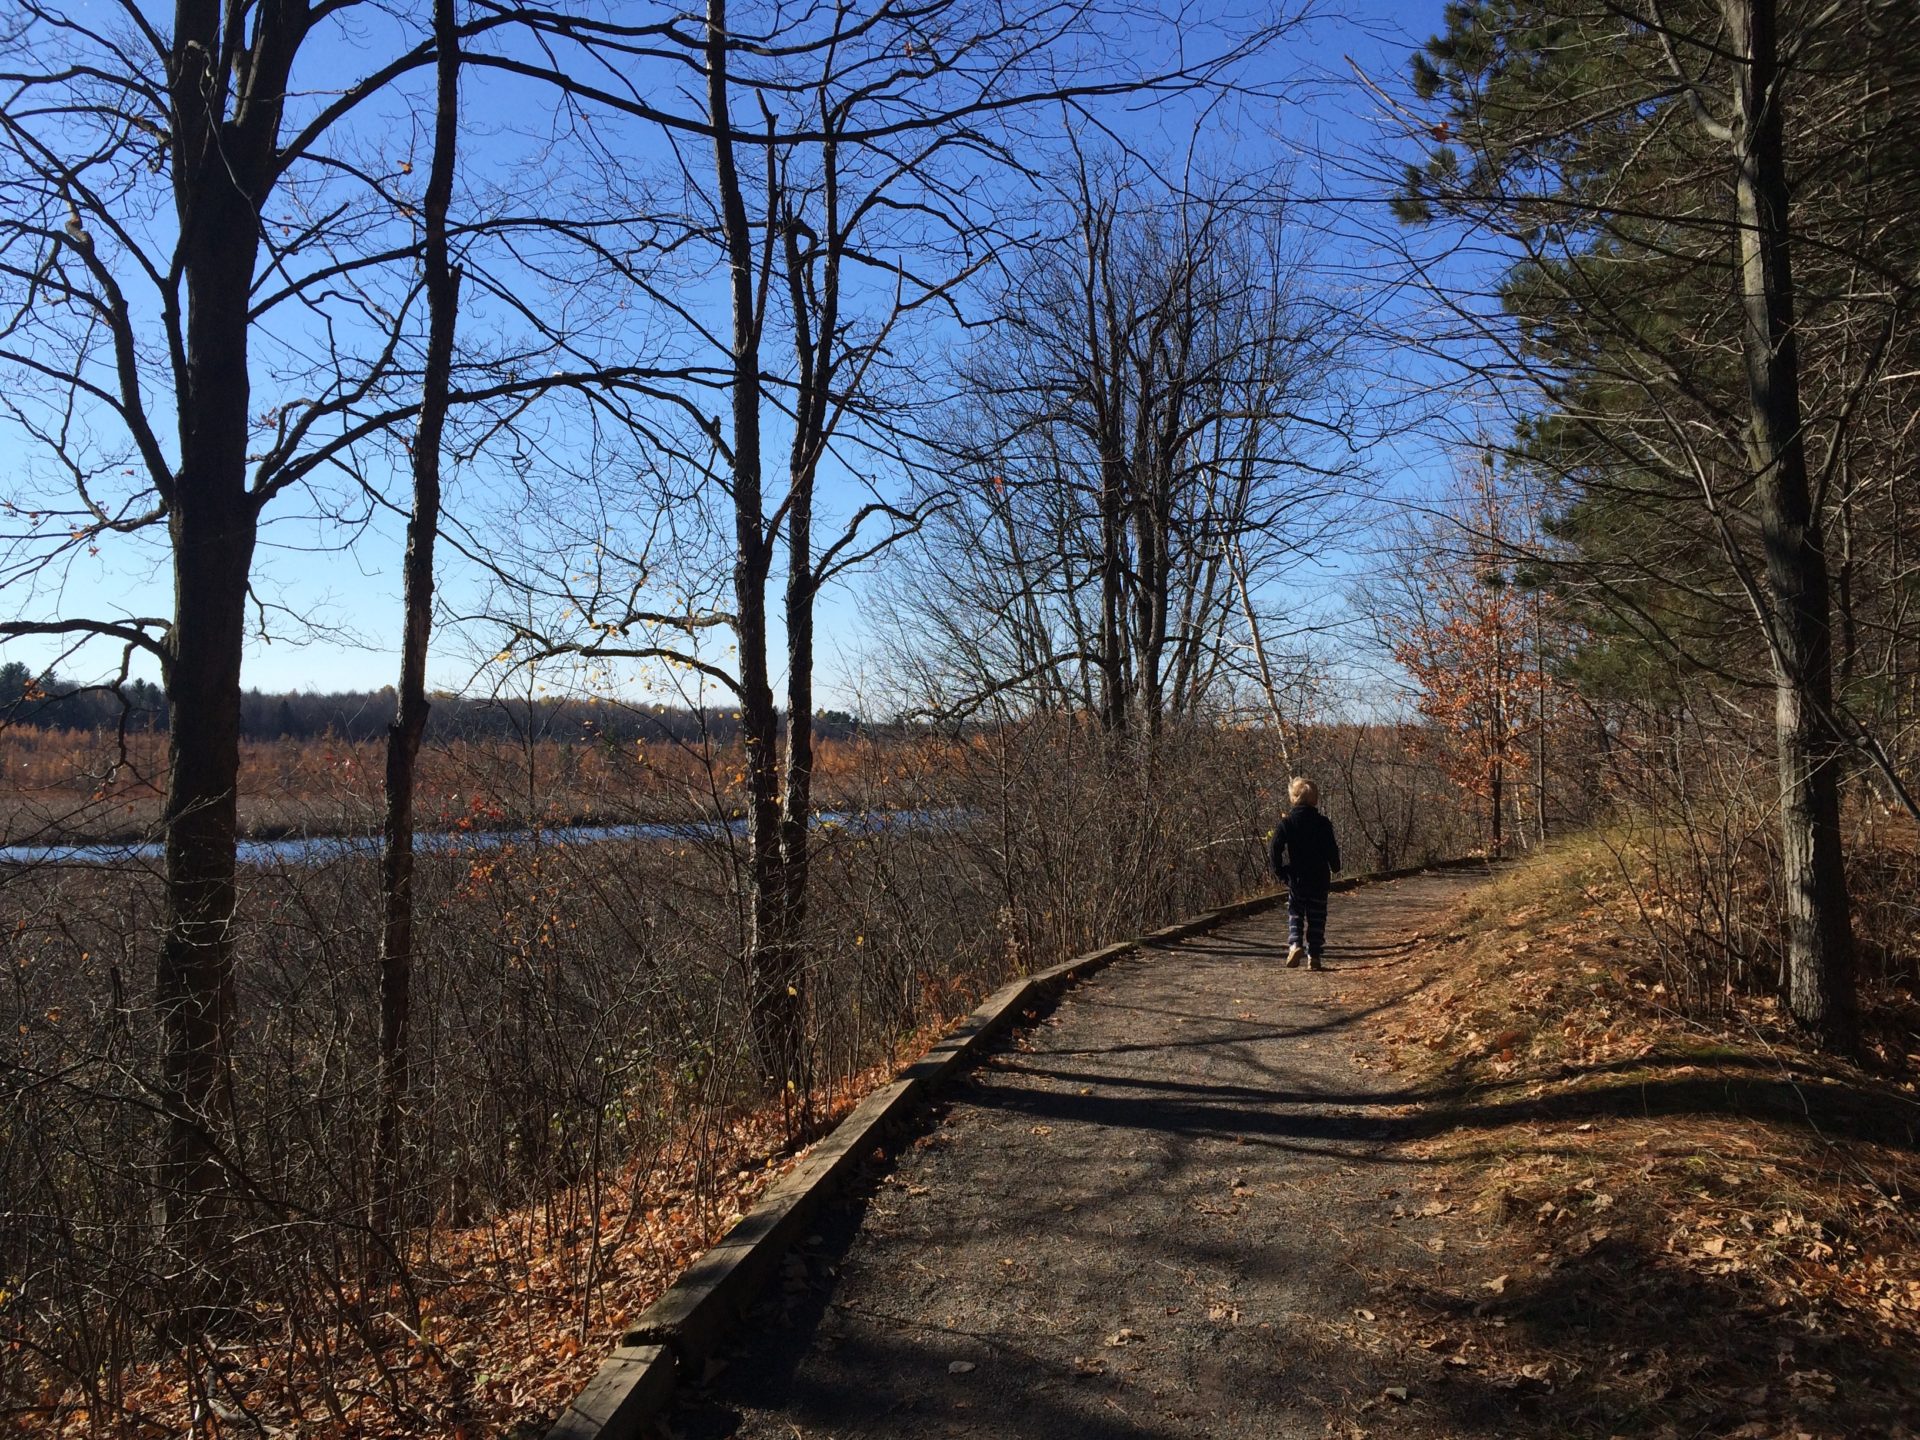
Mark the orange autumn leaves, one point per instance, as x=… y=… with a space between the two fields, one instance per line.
x=1480 y=645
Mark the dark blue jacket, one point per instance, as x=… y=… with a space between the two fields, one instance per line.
x=1305 y=852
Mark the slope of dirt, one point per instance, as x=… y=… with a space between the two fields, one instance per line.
x=1177 y=1207
x=1702 y=1228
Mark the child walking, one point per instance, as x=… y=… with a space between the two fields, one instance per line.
x=1305 y=855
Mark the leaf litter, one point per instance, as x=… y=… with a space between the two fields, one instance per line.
x=1717 y=1238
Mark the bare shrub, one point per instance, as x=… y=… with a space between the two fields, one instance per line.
x=587 y=1110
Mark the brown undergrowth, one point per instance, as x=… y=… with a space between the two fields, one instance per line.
x=1680 y=1228
x=499 y=1324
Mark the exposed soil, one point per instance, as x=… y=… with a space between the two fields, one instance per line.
x=1176 y=1207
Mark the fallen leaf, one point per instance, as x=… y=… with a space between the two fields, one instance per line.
x=1498 y=1284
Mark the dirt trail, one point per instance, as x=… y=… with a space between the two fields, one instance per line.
x=1168 y=1210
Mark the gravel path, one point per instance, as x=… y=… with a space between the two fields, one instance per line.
x=1164 y=1211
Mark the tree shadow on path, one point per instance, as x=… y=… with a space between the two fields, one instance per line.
x=1175 y=1208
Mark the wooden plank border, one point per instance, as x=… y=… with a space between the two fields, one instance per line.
x=681 y=1329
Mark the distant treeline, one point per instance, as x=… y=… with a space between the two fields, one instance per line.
x=48 y=701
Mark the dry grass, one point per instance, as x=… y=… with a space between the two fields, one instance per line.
x=1685 y=1229
x=61 y=786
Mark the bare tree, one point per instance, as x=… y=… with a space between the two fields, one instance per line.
x=1152 y=430
x=182 y=223
x=441 y=281
x=853 y=206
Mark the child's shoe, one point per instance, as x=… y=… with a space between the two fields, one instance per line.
x=1313 y=963
x=1295 y=954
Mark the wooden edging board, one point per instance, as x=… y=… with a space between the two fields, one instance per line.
x=682 y=1327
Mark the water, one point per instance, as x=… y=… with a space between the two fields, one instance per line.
x=301 y=850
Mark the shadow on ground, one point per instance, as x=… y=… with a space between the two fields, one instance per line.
x=1176 y=1209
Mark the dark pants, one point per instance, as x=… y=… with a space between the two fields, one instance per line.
x=1307 y=920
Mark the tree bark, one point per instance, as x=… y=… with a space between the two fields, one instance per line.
x=223 y=156
x=441 y=282
x=816 y=321
x=767 y=957
x=784 y=958
x=1820 y=980
x=1496 y=802
x=1539 y=721
x=213 y=539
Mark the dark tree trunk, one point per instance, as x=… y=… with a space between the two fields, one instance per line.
x=1820 y=982
x=816 y=322
x=768 y=955
x=1107 y=393
x=1154 y=593
x=213 y=538
x=785 y=1026
x=223 y=154
x=441 y=283
x=1539 y=723
x=1113 y=685
x=1496 y=792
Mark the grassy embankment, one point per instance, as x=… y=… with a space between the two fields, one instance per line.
x=1688 y=1225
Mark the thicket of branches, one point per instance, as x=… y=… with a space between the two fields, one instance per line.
x=658 y=363
x=752 y=300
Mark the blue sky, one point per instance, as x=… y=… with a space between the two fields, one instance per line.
x=347 y=596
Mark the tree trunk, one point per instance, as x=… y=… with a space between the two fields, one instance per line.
x=1820 y=982
x=1501 y=731
x=212 y=523
x=213 y=539
x=768 y=955
x=1102 y=329
x=1540 y=722
x=441 y=283
x=1496 y=791
x=1113 y=687
x=786 y=1020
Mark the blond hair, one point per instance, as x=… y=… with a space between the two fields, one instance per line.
x=1303 y=791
